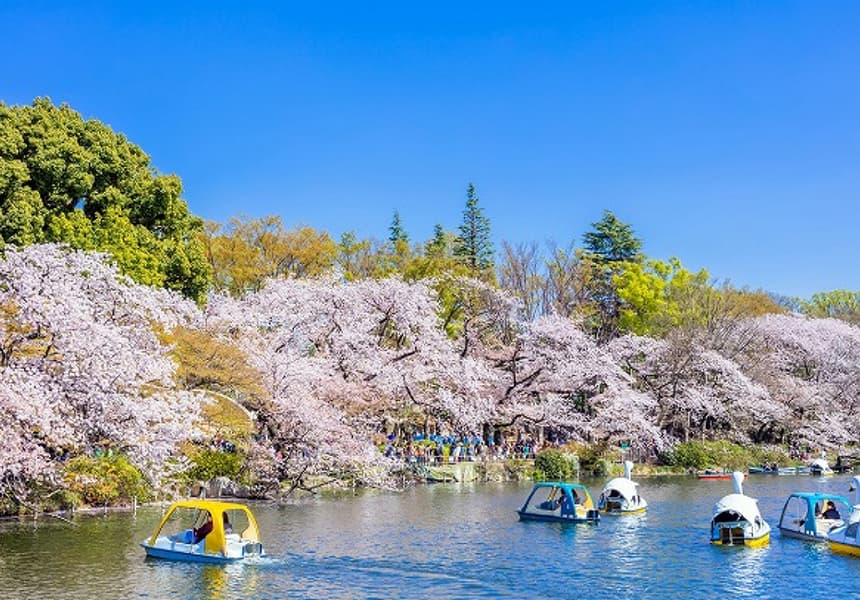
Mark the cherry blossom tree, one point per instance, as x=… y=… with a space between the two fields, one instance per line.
x=697 y=391
x=809 y=366
x=337 y=357
x=81 y=366
x=556 y=375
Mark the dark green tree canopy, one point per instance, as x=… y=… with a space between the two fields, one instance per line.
x=66 y=179
x=473 y=245
x=612 y=240
x=438 y=244
x=396 y=233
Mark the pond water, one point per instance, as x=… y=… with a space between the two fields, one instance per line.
x=445 y=541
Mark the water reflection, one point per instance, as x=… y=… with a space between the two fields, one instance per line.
x=627 y=543
x=745 y=567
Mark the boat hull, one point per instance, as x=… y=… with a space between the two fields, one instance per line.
x=633 y=511
x=529 y=516
x=167 y=554
x=756 y=542
x=799 y=535
x=841 y=548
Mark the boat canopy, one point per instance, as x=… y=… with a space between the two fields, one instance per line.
x=809 y=501
x=743 y=505
x=812 y=498
x=215 y=541
x=568 y=488
x=623 y=486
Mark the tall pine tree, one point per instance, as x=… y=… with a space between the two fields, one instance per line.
x=396 y=233
x=473 y=246
x=612 y=240
x=609 y=246
x=438 y=244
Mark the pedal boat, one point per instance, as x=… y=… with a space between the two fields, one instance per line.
x=560 y=502
x=802 y=516
x=737 y=520
x=621 y=495
x=844 y=539
x=219 y=546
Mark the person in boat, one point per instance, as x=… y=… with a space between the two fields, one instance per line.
x=201 y=532
x=228 y=528
x=831 y=512
x=563 y=503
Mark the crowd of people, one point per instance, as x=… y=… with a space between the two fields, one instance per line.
x=438 y=449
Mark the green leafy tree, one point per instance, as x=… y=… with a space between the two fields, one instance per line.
x=400 y=250
x=246 y=251
x=473 y=245
x=365 y=258
x=839 y=304
x=66 y=179
x=555 y=466
x=657 y=297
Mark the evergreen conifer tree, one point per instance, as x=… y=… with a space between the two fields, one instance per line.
x=612 y=240
x=438 y=244
x=396 y=233
x=473 y=245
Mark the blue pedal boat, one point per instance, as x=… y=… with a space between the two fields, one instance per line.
x=805 y=515
x=560 y=502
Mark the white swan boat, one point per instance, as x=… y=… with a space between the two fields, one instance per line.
x=737 y=520
x=621 y=495
x=820 y=467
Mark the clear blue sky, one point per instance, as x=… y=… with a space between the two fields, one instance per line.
x=726 y=133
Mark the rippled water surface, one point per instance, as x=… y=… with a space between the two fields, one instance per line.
x=442 y=541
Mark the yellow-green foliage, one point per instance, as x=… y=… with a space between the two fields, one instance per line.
x=658 y=296
x=839 y=304
x=222 y=416
x=594 y=458
x=205 y=360
x=213 y=363
x=105 y=480
x=553 y=465
x=244 y=252
x=209 y=464
x=721 y=454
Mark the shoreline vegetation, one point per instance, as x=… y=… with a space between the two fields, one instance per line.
x=509 y=470
x=142 y=349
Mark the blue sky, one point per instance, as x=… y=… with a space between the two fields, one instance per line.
x=726 y=133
